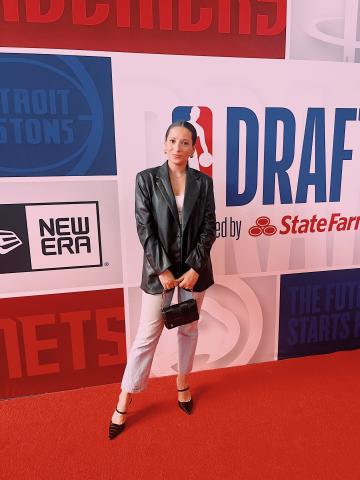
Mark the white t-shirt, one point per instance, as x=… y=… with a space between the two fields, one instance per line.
x=180 y=203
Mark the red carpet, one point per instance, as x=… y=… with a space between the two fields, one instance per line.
x=293 y=419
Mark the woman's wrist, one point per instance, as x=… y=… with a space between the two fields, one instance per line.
x=167 y=280
x=192 y=270
x=165 y=271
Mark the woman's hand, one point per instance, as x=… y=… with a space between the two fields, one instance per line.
x=188 y=279
x=167 y=279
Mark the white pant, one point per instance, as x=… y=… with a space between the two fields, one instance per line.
x=141 y=355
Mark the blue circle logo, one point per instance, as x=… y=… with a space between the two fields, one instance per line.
x=52 y=115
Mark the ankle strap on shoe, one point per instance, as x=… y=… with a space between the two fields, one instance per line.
x=183 y=389
x=122 y=413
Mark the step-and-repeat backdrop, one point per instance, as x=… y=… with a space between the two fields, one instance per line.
x=87 y=90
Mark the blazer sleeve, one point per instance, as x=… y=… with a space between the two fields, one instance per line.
x=147 y=228
x=199 y=256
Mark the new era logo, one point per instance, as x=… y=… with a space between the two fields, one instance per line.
x=8 y=241
x=53 y=236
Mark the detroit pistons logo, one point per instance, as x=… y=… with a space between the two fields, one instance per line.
x=56 y=113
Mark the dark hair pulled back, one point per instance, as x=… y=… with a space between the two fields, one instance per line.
x=185 y=124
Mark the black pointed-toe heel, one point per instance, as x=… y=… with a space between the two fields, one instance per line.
x=114 y=428
x=186 y=406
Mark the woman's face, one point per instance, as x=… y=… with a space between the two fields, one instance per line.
x=178 y=145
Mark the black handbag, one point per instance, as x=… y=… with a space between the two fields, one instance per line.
x=180 y=313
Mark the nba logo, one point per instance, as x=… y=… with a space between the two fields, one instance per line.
x=201 y=119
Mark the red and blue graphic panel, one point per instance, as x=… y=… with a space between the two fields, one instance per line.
x=201 y=119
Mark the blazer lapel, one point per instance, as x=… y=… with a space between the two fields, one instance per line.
x=192 y=192
x=164 y=184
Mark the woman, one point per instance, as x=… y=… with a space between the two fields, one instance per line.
x=175 y=218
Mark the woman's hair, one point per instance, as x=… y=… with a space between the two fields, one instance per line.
x=185 y=124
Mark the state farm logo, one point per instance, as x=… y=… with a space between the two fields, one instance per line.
x=8 y=241
x=55 y=236
x=262 y=227
x=294 y=224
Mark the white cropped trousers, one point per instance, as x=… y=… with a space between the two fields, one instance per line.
x=142 y=351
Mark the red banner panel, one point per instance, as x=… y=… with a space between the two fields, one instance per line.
x=230 y=28
x=58 y=342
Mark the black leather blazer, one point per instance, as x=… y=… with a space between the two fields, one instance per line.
x=167 y=244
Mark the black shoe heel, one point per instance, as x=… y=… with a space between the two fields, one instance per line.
x=114 y=428
x=186 y=406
